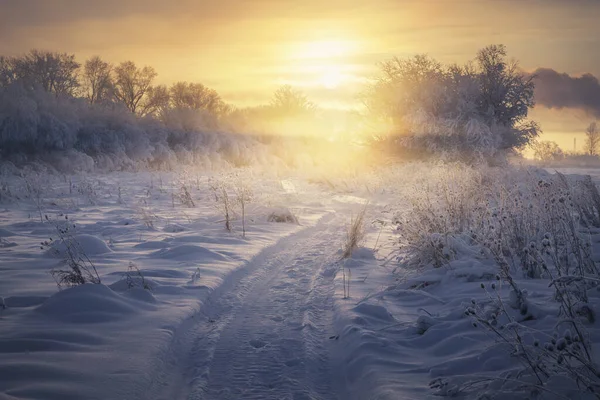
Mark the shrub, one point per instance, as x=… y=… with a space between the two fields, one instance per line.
x=223 y=200
x=80 y=269
x=134 y=278
x=184 y=195
x=36 y=187
x=243 y=196
x=355 y=232
x=283 y=215
x=529 y=225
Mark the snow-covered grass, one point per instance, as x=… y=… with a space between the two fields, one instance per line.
x=487 y=286
x=59 y=344
x=455 y=281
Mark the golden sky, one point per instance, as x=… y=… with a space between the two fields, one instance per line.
x=246 y=49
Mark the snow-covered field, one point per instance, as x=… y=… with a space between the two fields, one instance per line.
x=188 y=310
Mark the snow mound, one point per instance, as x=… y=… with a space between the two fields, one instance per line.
x=424 y=322
x=23 y=301
x=282 y=215
x=152 y=245
x=87 y=244
x=189 y=252
x=140 y=294
x=373 y=311
x=165 y=273
x=174 y=228
x=88 y=303
x=6 y=233
x=7 y=244
x=206 y=239
x=363 y=253
x=122 y=286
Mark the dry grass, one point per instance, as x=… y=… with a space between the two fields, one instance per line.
x=355 y=233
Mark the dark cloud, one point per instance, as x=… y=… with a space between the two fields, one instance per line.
x=559 y=90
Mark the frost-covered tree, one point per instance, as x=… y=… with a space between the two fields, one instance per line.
x=506 y=96
x=592 y=139
x=132 y=85
x=54 y=72
x=193 y=106
x=33 y=121
x=475 y=110
x=96 y=80
x=156 y=102
x=6 y=72
x=546 y=151
x=402 y=86
x=288 y=101
x=196 y=96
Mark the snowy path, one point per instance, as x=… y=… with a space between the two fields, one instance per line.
x=264 y=333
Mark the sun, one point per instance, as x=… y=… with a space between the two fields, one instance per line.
x=332 y=78
x=323 y=62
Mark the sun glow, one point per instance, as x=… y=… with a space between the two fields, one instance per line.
x=323 y=62
x=331 y=78
x=325 y=49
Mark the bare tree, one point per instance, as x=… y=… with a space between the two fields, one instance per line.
x=592 y=139
x=96 y=77
x=132 y=85
x=288 y=101
x=196 y=96
x=156 y=102
x=546 y=151
x=54 y=72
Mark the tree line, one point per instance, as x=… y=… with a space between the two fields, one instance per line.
x=550 y=151
x=101 y=82
x=417 y=105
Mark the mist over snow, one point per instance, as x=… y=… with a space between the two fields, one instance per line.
x=157 y=242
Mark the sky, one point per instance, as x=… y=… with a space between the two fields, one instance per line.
x=245 y=49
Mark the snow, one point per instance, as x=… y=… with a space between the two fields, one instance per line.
x=223 y=316
x=88 y=244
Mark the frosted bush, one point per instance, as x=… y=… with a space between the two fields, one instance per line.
x=35 y=125
x=76 y=268
x=528 y=224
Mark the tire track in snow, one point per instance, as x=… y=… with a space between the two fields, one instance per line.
x=263 y=334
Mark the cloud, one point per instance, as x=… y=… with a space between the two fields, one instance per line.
x=560 y=90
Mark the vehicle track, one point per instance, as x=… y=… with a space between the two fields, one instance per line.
x=264 y=333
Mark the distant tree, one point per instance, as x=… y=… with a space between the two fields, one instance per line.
x=546 y=151
x=96 y=80
x=196 y=96
x=6 y=72
x=132 y=85
x=54 y=72
x=288 y=101
x=156 y=102
x=592 y=139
